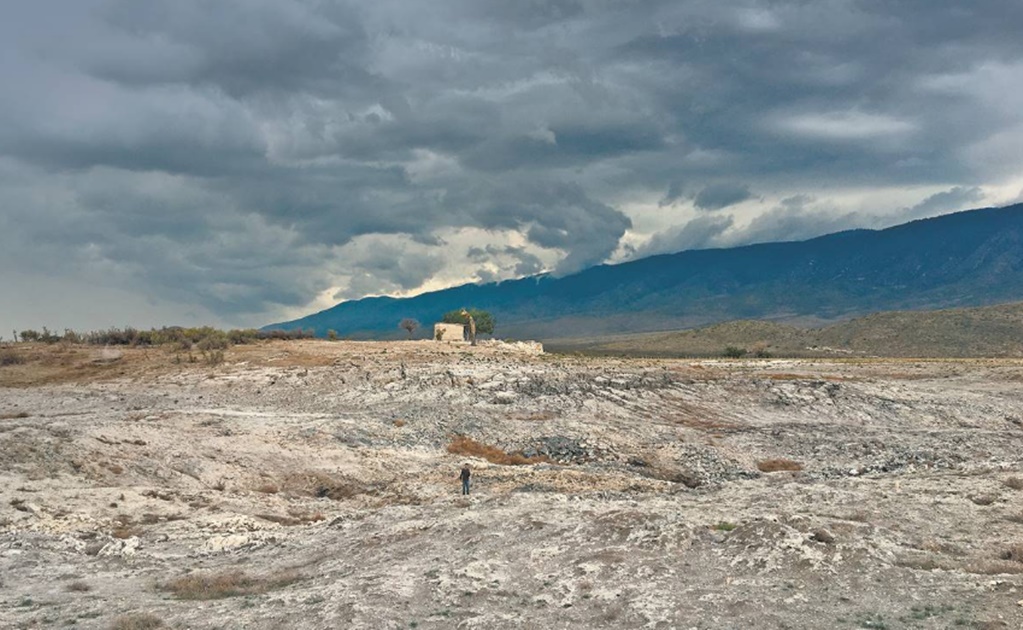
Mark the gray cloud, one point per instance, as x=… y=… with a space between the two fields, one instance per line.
x=700 y=233
x=239 y=155
x=957 y=198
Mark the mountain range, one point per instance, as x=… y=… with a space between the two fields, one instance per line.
x=969 y=258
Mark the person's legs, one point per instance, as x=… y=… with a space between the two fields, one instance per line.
x=465 y=486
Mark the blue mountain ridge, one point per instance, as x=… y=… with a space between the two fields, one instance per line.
x=969 y=258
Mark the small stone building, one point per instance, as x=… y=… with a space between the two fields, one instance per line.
x=448 y=332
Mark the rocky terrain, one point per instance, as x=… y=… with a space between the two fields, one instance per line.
x=312 y=484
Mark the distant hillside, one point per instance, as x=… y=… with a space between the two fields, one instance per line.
x=993 y=331
x=972 y=258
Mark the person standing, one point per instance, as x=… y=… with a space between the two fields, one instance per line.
x=464 y=476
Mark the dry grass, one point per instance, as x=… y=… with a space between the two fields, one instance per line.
x=125 y=527
x=922 y=562
x=792 y=376
x=321 y=484
x=399 y=423
x=1014 y=482
x=151 y=518
x=124 y=532
x=226 y=584
x=536 y=416
x=268 y=488
x=994 y=567
x=294 y=517
x=462 y=445
x=777 y=465
x=8 y=356
x=787 y=376
x=79 y=587
x=137 y=621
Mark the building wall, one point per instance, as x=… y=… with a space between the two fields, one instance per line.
x=451 y=332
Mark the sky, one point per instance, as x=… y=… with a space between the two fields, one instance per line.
x=241 y=162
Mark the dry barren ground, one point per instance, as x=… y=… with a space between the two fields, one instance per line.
x=310 y=485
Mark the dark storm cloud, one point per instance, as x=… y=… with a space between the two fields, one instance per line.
x=718 y=196
x=249 y=155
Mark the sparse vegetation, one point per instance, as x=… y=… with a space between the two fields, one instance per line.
x=203 y=586
x=137 y=621
x=463 y=445
x=777 y=465
x=733 y=352
x=184 y=338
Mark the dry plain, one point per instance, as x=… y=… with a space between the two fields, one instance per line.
x=311 y=484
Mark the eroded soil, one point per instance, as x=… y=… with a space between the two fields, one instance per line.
x=317 y=475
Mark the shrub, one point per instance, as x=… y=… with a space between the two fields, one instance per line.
x=776 y=465
x=409 y=325
x=212 y=347
x=9 y=357
x=733 y=352
x=463 y=445
x=242 y=336
x=484 y=320
x=332 y=335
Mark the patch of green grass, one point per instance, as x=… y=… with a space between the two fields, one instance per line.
x=725 y=526
x=919 y=613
